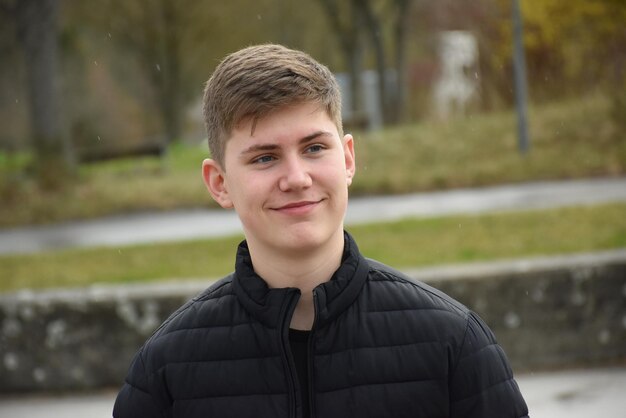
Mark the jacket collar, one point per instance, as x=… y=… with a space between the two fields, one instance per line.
x=270 y=306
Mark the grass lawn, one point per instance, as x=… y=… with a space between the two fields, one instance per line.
x=571 y=139
x=568 y=140
x=406 y=243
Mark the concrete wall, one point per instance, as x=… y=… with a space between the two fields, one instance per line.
x=546 y=313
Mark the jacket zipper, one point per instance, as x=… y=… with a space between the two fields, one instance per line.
x=287 y=357
x=310 y=358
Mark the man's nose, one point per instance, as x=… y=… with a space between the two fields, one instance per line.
x=295 y=176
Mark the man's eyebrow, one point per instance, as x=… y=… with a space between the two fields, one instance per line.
x=313 y=136
x=258 y=147
x=271 y=147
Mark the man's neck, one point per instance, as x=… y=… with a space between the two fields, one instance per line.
x=304 y=270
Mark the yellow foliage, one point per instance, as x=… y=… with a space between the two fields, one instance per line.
x=555 y=21
x=575 y=36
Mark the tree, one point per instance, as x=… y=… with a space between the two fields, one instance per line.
x=384 y=24
x=348 y=34
x=395 y=18
x=151 y=28
x=37 y=26
x=160 y=35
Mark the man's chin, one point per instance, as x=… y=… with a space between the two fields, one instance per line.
x=306 y=238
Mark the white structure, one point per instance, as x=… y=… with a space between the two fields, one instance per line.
x=458 y=80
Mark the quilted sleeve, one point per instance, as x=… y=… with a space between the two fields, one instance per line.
x=134 y=399
x=482 y=384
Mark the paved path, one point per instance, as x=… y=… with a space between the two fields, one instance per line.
x=565 y=394
x=190 y=224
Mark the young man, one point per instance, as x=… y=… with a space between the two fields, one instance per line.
x=306 y=326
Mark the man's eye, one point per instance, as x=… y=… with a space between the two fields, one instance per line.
x=264 y=159
x=314 y=148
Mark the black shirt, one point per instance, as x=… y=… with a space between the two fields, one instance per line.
x=299 y=343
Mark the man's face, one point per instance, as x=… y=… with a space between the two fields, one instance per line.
x=287 y=179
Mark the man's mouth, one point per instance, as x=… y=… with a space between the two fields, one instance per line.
x=297 y=204
x=299 y=207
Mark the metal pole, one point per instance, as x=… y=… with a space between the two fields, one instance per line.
x=519 y=73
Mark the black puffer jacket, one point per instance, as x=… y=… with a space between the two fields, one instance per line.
x=382 y=346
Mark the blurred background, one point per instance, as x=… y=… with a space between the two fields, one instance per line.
x=100 y=115
x=85 y=83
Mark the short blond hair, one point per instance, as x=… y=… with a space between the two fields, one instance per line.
x=257 y=80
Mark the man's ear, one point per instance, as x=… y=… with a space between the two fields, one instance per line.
x=348 y=150
x=215 y=181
